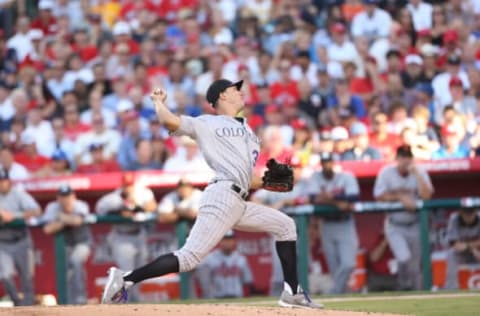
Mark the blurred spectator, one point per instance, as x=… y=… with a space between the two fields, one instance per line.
x=119 y=94
x=60 y=140
x=361 y=149
x=404 y=182
x=21 y=41
x=126 y=155
x=109 y=138
x=67 y=214
x=341 y=141
x=381 y=272
x=225 y=272
x=7 y=111
x=410 y=137
x=372 y=23
x=128 y=241
x=98 y=162
x=464 y=104
x=15 y=170
x=381 y=138
x=285 y=89
x=272 y=146
x=144 y=156
x=16 y=248
x=425 y=137
x=29 y=156
x=421 y=14
x=338 y=233
x=100 y=81
x=181 y=204
x=441 y=82
x=58 y=166
x=46 y=20
x=451 y=147
x=341 y=49
x=73 y=127
x=399 y=118
x=177 y=80
x=463 y=235
x=41 y=130
x=95 y=107
x=187 y=158
x=342 y=102
x=413 y=73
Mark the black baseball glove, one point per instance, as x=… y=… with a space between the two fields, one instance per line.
x=278 y=177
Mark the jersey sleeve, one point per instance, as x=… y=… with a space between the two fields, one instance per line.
x=246 y=272
x=51 y=213
x=167 y=205
x=81 y=208
x=190 y=126
x=351 y=185
x=452 y=229
x=380 y=186
x=27 y=202
x=111 y=202
x=426 y=177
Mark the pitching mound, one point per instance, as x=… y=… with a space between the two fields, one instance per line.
x=174 y=310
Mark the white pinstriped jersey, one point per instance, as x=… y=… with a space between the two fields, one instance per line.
x=228 y=144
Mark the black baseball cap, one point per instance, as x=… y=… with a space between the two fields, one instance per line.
x=454 y=59
x=218 y=86
x=404 y=151
x=64 y=190
x=4 y=174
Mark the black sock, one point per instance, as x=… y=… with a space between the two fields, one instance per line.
x=287 y=251
x=162 y=265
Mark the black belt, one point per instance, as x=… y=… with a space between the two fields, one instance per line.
x=239 y=190
x=12 y=240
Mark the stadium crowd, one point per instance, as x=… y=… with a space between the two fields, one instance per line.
x=324 y=81
x=357 y=78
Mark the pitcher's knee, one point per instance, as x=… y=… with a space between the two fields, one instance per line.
x=287 y=231
x=187 y=260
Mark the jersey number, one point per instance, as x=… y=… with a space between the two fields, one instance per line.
x=255 y=157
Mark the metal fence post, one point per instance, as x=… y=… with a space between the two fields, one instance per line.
x=61 y=268
x=181 y=231
x=303 y=249
x=426 y=259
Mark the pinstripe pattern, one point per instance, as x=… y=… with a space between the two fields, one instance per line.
x=229 y=147
x=221 y=209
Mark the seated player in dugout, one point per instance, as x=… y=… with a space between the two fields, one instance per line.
x=225 y=272
x=183 y=203
x=463 y=234
x=231 y=149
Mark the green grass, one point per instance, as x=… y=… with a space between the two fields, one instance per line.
x=427 y=303
x=431 y=306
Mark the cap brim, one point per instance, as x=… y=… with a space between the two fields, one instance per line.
x=237 y=84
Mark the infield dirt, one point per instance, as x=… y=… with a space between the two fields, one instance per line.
x=174 y=310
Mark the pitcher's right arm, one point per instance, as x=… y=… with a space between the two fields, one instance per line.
x=169 y=120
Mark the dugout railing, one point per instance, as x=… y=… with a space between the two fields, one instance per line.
x=301 y=214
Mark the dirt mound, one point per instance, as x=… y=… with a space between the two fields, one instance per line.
x=174 y=310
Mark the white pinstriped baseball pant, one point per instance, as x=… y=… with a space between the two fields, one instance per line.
x=222 y=209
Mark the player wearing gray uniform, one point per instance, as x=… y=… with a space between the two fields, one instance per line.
x=463 y=234
x=128 y=241
x=231 y=150
x=67 y=214
x=404 y=182
x=16 y=247
x=225 y=271
x=183 y=203
x=338 y=231
x=280 y=200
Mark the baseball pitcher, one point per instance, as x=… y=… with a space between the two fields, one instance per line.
x=231 y=150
